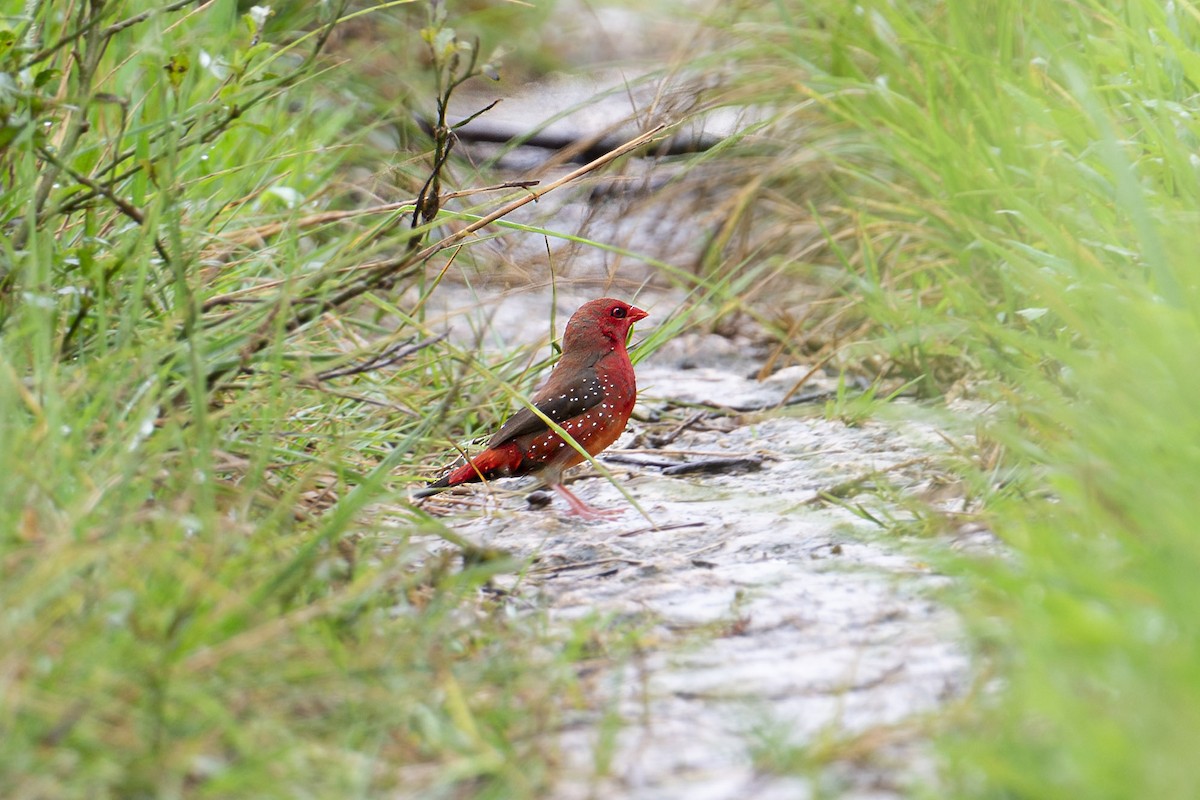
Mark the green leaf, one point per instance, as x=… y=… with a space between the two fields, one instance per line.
x=255 y=126
x=8 y=133
x=45 y=76
x=176 y=68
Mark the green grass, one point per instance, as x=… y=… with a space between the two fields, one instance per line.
x=208 y=581
x=1010 y=196
x=217 y=383
x=209 y=584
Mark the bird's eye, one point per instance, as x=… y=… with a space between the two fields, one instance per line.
x=617 y=312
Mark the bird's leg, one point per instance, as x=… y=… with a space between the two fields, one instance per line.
x=582 y=509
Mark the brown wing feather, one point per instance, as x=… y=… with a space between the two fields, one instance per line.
x=558 y=403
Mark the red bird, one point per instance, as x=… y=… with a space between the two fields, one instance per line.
x=590 y=393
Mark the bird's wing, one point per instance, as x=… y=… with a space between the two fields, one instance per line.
x=558 y=403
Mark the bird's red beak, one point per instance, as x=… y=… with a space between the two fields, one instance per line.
x=635 y=314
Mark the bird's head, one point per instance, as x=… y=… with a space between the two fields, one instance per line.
x=600 y=324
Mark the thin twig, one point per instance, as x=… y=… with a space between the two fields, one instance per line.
x=612 y=155
x=243 y=235
x=657 y=528
x=125 y=207
x=585 y=564
x=388 y=357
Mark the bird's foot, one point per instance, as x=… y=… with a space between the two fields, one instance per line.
x=582 y=509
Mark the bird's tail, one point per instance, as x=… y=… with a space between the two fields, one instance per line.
x=496 y=463
x=433 y=488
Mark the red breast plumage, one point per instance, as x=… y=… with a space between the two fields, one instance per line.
x=590 y=394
